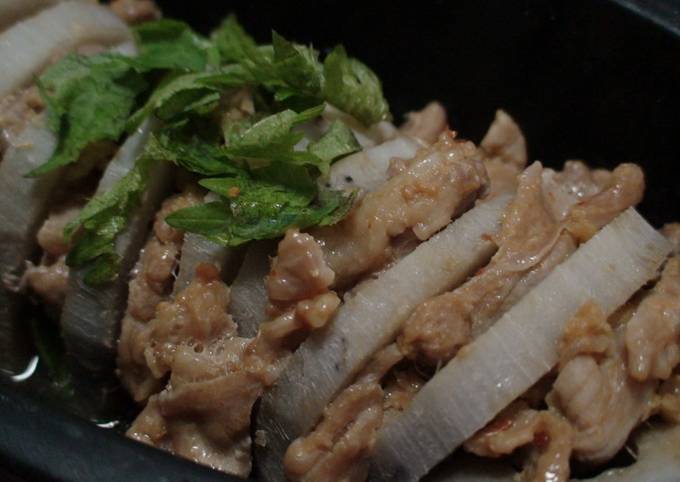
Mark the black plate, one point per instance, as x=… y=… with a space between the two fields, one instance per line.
x=590 y=79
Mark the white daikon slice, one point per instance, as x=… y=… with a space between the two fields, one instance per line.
x=28 y=46
x=91 y=314
x=369 y=319
x=197 y=250
x=464 y=467
x=248 y=305
x=367 y=169
x=367 y=136
x=518 y=350
x=658 y=460
x=14 y=10
x=23 y=201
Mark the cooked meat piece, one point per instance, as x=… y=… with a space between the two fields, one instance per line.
x=442 y=181
x=504 y=140
x=276 y=339
x=299 y=270
x=151 y=283
x=16 y=111
x=625 y=189
x=440 y=326
x=672 y=232
x=563 y=248
x=135 y=11
x=339 y=447
x=426 y=124
x=203 y=413
x=400 y=388
x=586 y=333
x=51 y=234
x=667 y=400
x=593 y=389
x=548 y=435
x=575 y=183
x=162 y=230
x=197 y=315
x=205 y=421
x=205 y=408
x=152 y=277
x=530 y=246
x=48 y=280
x=503 y=177
x=504 y=151
x=653 y=333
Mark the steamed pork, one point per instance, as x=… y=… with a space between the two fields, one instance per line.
x=291 y=284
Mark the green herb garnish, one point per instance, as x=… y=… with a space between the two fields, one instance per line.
x=264 y=174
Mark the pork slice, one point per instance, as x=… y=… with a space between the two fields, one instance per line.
x=426 y=124
x=652 y=336
x=440 y=184
x=369 y=318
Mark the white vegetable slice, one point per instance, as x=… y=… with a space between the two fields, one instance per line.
x=366 y=136
x=24 y=201
x=13 y=10
x=658 y=460
x=520 y=348
x=367 y=169
x=27 y=47
x=249 y=298
x=91 y=315
x=196 y=250
x=463 y=467
x=368 y=320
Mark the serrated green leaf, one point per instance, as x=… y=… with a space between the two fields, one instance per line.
x=337 y=142
x=172 y=45
x=298 y=67
x=354 y=88
x=102 y=219
x=232 y=41
x=89 y=99
x=222 y=223
x=191 y=153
